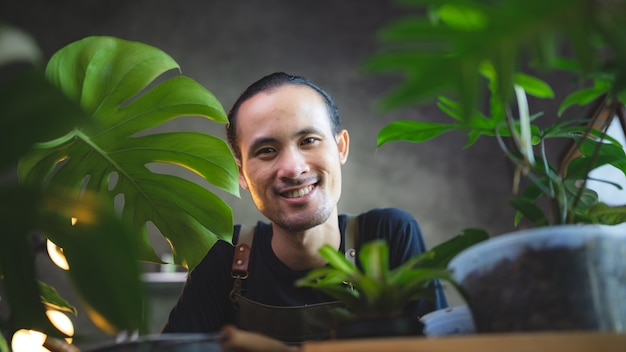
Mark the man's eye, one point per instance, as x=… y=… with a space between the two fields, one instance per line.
x=265 y=151
x=308 y=140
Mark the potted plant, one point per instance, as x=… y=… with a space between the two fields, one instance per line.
x=537 y=279
x=374 y=296
x=81 y=131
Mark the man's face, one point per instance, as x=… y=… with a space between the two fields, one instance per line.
x=290 y=158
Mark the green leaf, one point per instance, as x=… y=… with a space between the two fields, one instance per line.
x=609 y=154
x=544 y=51
x=417 y=30
x=450 y=107
x=424 y=79
x=462 y=16
x=581 y=37
x=106 y=72
x=18 y=262
x=609 y=215
x=534 y=86
x=531 y=193
x=563 y=129
x=371 y=291
x=3 y=344
x=104 y=263
x=326 y=276
x=30 y=100
x=332 y=281
x=52 y=299
x=478 y=121
x=446 y=250
x=374 y=257
x=566 y=64
x=419 y=278
x=412 y=131
x=496 y=107
x=580 y=199
x=529 y=210
x=205 y=155
x=338 y=260
x=120 y=84
x=582 y=97
x=504 y=61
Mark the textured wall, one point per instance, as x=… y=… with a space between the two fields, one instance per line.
x=226 y=45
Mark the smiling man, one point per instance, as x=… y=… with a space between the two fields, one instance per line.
x=286 y=136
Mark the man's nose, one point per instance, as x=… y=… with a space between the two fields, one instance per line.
x=292 y=163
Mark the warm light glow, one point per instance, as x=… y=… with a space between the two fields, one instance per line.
x=61 y=322
x=56 y=254
x=74 y=221
x=100 y=321
x=28 y=341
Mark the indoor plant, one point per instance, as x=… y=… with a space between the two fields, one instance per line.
x=81 y=134
x=467 y=47
x=374 y=295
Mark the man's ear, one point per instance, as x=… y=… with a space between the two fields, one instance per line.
x=343 y=144
x=242 y=180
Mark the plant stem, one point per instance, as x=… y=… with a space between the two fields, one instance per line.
x=610 y=111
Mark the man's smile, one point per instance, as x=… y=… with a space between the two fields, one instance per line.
x=298 y=192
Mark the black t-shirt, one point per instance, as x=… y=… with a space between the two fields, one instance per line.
x=204 y=304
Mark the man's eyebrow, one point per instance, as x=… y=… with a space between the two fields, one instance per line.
x=306 y=131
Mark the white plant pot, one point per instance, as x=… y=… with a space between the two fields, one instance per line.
x=455 y=320
x=566 y=277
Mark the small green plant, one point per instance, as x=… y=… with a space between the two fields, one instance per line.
x=376 y=290
x=466 y=48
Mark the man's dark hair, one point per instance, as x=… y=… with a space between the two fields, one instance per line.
x=267 y=84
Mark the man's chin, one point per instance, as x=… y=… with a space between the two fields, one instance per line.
x=302 y=221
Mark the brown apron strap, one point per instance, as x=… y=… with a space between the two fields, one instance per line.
x=241 y=259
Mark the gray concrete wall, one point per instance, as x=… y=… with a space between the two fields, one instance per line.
x=226 y=44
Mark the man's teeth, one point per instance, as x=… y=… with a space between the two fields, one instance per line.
x=300 y=192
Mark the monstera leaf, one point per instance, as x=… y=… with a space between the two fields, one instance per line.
x=119 y=84
x=100 y=249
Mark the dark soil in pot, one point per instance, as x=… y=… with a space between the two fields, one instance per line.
x=546 y=289
x=379 y=327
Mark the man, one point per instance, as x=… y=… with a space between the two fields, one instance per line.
x=285 y=134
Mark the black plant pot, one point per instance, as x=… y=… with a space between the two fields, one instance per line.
x=379 y=327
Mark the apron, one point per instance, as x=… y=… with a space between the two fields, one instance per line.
x=294 y=324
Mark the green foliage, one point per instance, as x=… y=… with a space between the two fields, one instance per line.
x=54 y=300
x=110 y=80
x=4 y=347
x=81 y=131
x=377 y=290
x=100 y=251
x=25 y=97
x=458 y=50
x=443 y=50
